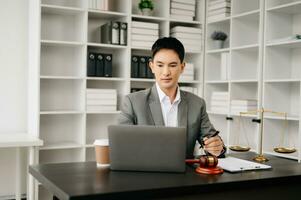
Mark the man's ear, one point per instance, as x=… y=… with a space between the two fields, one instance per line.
x=151 y=65
x=183 y=66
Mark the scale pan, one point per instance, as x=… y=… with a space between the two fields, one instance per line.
x=284 y=150
x=239 y=148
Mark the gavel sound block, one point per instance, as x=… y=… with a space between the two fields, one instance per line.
x=207 y=165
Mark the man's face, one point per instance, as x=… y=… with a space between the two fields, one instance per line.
x=167 y=68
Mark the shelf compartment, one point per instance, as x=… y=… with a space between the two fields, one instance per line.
x=244 y=6
x=209 y=89
x=94 y=30
x=249 y=68
x=287 y=6
x=274 y=4
x=121 y=88
x=218 y=26
x=248 y=90
x=62 y=131
x=288 y=21
x=160 y=8
x=65 y=3
x=61 y=155
x=97 y=126
x=282 y=63
x=62 y=25
x=115 y=6
x=61 y=95
x=275 y=130
x=119 y=56
x=245 y=30
x=282 y=97
x=243 y=132
x=213 y=68
x=62 y=61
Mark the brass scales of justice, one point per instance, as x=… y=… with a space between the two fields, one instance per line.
x=280 y=149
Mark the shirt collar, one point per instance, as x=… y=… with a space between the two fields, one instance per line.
x=162 y=95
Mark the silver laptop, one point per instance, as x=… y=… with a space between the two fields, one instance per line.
x=147 y=148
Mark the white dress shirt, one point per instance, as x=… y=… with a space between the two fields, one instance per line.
x=169 y=110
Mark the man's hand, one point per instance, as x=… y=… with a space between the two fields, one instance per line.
x=214 y=145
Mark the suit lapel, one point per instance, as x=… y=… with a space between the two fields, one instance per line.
x=155 y=107
x=182 y=111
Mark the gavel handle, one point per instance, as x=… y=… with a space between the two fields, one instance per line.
x=192 y=161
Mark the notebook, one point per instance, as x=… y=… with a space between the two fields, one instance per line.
x=147 y=148
x=232 y=164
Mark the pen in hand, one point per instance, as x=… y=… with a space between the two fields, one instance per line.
x=209 y=136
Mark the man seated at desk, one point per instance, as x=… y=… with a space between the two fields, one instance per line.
x=166 y=105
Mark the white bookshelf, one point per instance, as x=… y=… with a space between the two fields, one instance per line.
x=67 y=30
x=242 y=80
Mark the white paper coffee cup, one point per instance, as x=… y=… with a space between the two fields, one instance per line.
x=102 y=152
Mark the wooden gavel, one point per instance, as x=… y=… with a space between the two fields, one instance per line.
x=204 y=161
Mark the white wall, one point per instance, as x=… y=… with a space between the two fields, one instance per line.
x=13 y=65
x=13 y=82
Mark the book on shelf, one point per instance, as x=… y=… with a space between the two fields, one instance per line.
x=101 y=95
x=101 y=91
x=144 y=31
x=191 y=2
x=187 y=36
x=181 y=17
x=100 y=66
x=214 y=2
x=110 y=33
x=182 y=12
x=218 y=17
x=104 y=102
x=142 y=67
x=224 y=4
x=99 y=4
x=219 y=11
x=185 y=29
x=243 y=102
x=145 y=25
x=183 y=6
x=142 y=44
x=108 y=65
x=142 y=37
x=219 y=103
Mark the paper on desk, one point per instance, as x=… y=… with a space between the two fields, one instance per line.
x=232 y=164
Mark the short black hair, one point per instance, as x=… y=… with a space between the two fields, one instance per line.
x=169 y=43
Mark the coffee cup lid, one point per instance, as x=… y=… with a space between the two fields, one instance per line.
x=102 y=142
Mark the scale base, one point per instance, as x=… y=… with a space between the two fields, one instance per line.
x=211 y=170
x=260 y=158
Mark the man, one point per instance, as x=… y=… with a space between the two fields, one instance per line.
x=165 y=104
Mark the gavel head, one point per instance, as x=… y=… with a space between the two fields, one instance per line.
x=208 y=161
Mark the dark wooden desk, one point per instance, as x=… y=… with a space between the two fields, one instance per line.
x=86 y=181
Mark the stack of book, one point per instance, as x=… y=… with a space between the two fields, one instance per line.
x=225 y=66
x=99 y=4
x=101 y=100
x=193 y=90
x=218 y=9
x=144 y=34
x=243 y=105
x=114 y=32
x=99 y=64
x=191 y=37
x=219 y=102
x=182 y=9
x=188 y=73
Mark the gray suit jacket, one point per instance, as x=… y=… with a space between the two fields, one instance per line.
x=144 y=108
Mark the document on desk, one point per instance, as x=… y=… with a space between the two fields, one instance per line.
x=232 y=164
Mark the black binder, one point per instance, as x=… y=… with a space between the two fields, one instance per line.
x=123 y=33
x=149 y=73
x=142 y=67
x=108 y=65
x=135 y=67
x=99 y=65
x=91 y=64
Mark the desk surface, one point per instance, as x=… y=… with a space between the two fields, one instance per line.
x=86 y=181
